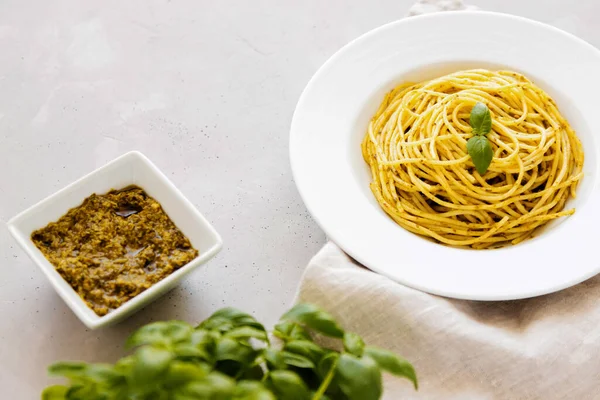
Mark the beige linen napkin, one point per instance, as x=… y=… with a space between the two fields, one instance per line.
x=542 y=348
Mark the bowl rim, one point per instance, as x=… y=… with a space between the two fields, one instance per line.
x=78 y=305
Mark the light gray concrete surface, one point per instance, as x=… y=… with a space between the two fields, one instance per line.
x=206 y=89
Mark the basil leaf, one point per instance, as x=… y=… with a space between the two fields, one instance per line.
x=81 y=392
x=232 y=314
x=287 y=385
x=221 y=383
x=56 y=392
x=178 y=331
x=185 y=350
x=150 y=363
x=288 y=330
x=155 y=395
x=235 y=317
x=68 y=369
x=180 y=373
x=305 y=348
x=359 y=378
x=160 y=333
x=203 y=337
x=215 y=386
x=393 y=363
x=480 y=119
x=314 y=318
x=252 y=390
x=296 y=360
x=274 y=359
x=183 y=395
x=354 y=344
x=105 y=375
x=125 y=365
x=204 y=341
x=481 y=152
x=219 y=324
x=246 y=332
x=230 y=349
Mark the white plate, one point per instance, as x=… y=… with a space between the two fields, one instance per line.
x=336 y=106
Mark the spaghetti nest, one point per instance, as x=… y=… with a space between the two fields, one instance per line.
x=423 y=177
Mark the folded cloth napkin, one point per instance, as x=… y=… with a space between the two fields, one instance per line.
x=546 y=348
x=542 y=348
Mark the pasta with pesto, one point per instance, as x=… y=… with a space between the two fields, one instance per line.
x=424 y=179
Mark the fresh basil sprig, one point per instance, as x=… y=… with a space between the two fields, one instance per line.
x=229 y=357
x=479 y=146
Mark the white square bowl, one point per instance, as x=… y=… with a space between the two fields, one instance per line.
x=130 y=169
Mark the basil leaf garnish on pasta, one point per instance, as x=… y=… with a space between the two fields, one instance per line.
x=481 y=119
x=481 y=153
x=479 y=147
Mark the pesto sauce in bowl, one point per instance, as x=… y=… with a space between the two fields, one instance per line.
x=114 y=246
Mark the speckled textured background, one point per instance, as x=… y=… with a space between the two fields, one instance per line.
x=206 y=89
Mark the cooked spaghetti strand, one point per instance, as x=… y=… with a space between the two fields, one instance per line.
x=424 y=179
